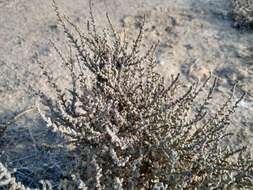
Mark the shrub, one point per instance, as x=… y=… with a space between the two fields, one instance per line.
x=131 y=129
x=6 y=180
x=242 y=11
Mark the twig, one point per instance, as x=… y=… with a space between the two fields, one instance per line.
x=3 y=127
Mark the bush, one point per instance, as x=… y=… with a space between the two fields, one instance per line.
x=133 y=131
x=242 y=12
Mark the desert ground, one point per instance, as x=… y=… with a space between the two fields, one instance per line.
x=196 y=37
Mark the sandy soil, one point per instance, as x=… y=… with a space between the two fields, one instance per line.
x=196 y=37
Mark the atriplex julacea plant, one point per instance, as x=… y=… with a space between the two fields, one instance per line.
x=133 y=131
x=242 y=13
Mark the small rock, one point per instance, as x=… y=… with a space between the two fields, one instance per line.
x=53 y=27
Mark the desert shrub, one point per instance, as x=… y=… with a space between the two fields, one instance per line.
x=133 y=130
x=242 y=12
x=9 y=182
